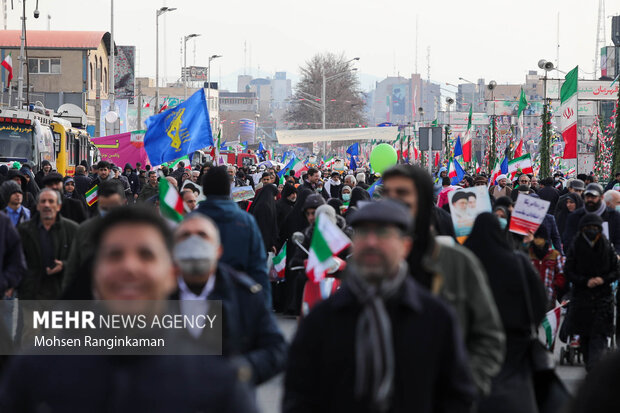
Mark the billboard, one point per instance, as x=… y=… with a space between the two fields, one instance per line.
x=462 y=118
x=399 y=99
x=587 y=89
x=124 y=72
x=196 y=73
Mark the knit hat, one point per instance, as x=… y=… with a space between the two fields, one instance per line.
x=313 y=201
x=590 y=220
x=8 y=188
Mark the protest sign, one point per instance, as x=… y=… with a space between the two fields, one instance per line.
x=528 y=214
x=242 y=193
x=465 y=205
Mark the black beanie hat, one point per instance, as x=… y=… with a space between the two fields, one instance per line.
x=590 y=219
x=313 y=201
x=216 y=182
x=542 y=232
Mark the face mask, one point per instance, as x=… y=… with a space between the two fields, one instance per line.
x=618 y=208
x=195 y=256
x=591 y=233
x=319 y=189
x=346 y=197
x=503 y=222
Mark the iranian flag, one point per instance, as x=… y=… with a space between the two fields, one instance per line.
x=328 y=240
x=551 y=324
x=520 y=165
x=522 y=106
x=329 y=162
x=299 y=166
x=279 y=262
x=170 y=201
x=568 y=109
x=91 y=195
x=451 y=169
x=467 y=141
x=7 y=63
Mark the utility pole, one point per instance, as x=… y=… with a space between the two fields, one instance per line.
x=139 y=126
x=22 y=59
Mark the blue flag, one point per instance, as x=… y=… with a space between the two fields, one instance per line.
x=353 y=164
x=178 y=131
x=223 y=146
x=354 y=150
x=244 y=144
x=288 y=166
x=374 y=186
x=458 y=149
x=460 y=173
x=504 y=166
x=284 y=155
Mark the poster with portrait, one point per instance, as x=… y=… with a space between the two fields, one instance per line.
x=465 y=205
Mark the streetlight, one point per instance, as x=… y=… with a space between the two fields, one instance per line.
x=492 y=151
x=158 y=13
x=185 y=39
x=544 y=147
x=449 y=102
x=473 y=91
x=215 y=56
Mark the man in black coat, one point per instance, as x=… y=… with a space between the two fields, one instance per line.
x=382 y=342
x=131 y=243
x=251 y=333
x=549 y=193
x=73 y=204
x=134 y=182
x=82 y=181
x=594 y=204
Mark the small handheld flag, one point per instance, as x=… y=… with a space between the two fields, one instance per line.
x=91 y=195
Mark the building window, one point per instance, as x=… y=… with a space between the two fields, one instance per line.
x=44 y=66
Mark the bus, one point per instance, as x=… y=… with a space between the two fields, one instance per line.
x=72 y=146
x=26 y=136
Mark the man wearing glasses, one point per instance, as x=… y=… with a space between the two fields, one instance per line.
x=524 y=187
x=373 y=345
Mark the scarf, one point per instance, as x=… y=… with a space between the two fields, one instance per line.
x=374 y=350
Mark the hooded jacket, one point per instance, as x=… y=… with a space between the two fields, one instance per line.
x=241 y=239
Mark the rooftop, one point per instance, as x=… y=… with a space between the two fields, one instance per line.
x=55 y=39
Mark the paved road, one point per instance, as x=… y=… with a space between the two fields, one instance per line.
x=270 y=393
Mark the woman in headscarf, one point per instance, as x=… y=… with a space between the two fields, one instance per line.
x=285 y=205
x=565 y=207
x=358 y=194
x=591 y=267
x=549 y=263
x=264 y=210
x=337 y=205
x=510 y=273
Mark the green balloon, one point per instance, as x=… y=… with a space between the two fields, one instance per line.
x=382 y=157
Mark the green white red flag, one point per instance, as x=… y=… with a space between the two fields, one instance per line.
x=551 y=324
x=91 y=195
x=467 y=138
x=170 y=201
x=327 y=240
x=522 y=165
x=568 y=109
x=299 y=166
x=522 y=106
x=7 y=63
x=279 y=262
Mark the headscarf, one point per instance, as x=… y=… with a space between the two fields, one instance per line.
x=283 y=205
x=562 y=213
x=336 y=204
x=264 y=210
x=296 y=220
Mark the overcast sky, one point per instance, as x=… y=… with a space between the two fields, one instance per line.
x=492 y=39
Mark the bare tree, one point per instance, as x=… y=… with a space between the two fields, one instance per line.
x=345 y=100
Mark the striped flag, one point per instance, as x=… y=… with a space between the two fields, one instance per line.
x=522 y=106
x=467 y=138
x=170 y=201
x=7 y=63
x=91 y=195
x=551 y=324
x=568 y=109
x=327 y=240
x=522 y=164
x=299 y=166
x=279 y=262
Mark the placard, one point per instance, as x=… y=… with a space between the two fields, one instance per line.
x=528 y=214
x=465 y=205
x=242 y=193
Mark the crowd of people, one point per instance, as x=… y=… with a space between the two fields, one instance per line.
x=419 y=322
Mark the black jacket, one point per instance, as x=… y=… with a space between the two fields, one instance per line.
x=101 y=384
x=82 y=184
x=12 y=262
x=134 y=183
x=609 y=215
x=431 y=372
x=549 y=193
x=250 y=329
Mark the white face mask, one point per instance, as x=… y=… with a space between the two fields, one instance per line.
x=346 y=197
x=195 y=256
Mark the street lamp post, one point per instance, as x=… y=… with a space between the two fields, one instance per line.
x=185 y=39
x=544 y=144
x=493 y=149
x=215 y=56
x=473 y=91
x=158 y=13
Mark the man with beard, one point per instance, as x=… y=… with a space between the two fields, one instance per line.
x=451 y=272
x=73 y=204
x=501 y=189
x=361 y=349
x=524 y=187
x=46 y=240
x=594 y=204
x=46 y=168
